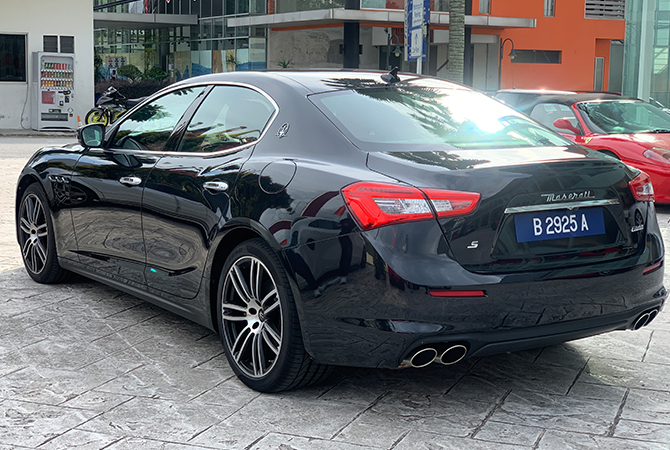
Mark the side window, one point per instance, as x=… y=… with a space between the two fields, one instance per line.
x=548 y=113
x=230 y=116
x=149 y=127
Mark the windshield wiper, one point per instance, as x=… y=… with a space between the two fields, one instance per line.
x=656 y=130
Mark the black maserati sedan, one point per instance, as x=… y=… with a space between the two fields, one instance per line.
x=321 y=218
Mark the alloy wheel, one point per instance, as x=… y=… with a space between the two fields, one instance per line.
x=34 y=234
x=252 y=316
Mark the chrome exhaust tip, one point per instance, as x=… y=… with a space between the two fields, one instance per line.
x=453 y=354
x=645 y=318
x=420 y=358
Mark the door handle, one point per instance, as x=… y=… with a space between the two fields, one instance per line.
x=130 y=181
x=217 y=186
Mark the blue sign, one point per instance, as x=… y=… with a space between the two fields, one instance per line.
x=417 y=16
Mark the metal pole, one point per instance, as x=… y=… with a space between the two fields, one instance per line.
x=388 y=50
x=500 y=59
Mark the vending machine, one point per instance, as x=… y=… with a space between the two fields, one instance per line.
x=53 y=91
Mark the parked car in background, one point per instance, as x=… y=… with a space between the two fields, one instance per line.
x=519 y=98
x=327 y=218
x=628 y=129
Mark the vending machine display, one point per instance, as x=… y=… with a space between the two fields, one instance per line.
x=54 y=91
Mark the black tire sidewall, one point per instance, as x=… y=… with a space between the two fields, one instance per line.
x=52 y=271
x=260 y=249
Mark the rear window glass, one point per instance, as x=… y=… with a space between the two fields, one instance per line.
x=391 y=118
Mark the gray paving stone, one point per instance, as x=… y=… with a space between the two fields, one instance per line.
x=97 y=401
x=312 y=418
x=513 y=373
x=32 y=424
x=509 y=434
x=408 y=411
x=380 y=436
x=230 y=437
x=158 y=419
x=421 y=440
x=556 y=440
x=598 y=391
x=632 y=374
x=164 y=381
x=274 y=441
x=647 y=406
x=47 y=386
x=558 y=412
x=643 y=431
x=658 y=348
x=131 y=443
x=478 y=389
x=80 y=440
x=628 y=345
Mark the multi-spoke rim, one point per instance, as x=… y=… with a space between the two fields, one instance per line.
x=34 y=233
x=252 y=316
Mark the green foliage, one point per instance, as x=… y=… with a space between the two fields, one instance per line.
x=129 y=71
x=97 y=64
x=136 y=89
x=284 y=63
x=155 y=73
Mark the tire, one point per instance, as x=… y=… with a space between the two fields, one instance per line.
x=36 y=237
x=259 y=326
x=97 y=115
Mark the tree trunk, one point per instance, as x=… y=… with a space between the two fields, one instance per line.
x=456 y=40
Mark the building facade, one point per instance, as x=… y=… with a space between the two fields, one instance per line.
x=647 y=50
x=33 y=26
x=558 y=44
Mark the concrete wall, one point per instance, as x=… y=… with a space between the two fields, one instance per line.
x=36 y=18
x=317 y=48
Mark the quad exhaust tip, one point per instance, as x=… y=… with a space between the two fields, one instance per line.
x=645 y=318
x=446 y=354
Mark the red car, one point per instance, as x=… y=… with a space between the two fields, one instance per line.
x=628 y=129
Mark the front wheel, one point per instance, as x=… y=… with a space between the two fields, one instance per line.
x=258 y=322
x=36 y=237
x=97 y=115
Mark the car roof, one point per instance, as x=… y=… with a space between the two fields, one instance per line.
x=313 y=81
x=532 y=91
x=571 y=99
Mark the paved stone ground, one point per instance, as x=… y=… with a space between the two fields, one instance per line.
x=83 y=366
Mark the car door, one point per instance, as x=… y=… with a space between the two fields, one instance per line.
x=188 y=193
x=110 y=181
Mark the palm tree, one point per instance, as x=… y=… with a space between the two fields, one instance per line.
x=456 y=40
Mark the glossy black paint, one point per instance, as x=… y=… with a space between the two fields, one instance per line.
x=362 y=297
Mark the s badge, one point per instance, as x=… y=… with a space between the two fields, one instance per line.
x=473 y=244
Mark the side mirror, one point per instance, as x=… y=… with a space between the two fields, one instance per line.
x=564 y=124
x=91 y=135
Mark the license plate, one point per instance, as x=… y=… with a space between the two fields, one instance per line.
x=547 y=225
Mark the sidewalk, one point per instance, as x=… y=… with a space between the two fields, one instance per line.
x=35 y=133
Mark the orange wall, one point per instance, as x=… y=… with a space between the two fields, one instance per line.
x=580 y=40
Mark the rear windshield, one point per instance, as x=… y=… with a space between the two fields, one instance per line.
x=390 y=118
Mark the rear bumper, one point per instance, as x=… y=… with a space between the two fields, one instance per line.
x=374 y=316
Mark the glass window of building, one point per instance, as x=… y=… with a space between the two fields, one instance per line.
x=12 y=57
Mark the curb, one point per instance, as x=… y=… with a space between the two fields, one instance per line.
x=35 y=133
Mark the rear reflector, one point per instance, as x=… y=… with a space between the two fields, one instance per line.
x=641 y=188
x=652 y=268
x=376 y=205
x=449 y=293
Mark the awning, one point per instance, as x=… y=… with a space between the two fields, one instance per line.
x=392 y=18
x=133 y=21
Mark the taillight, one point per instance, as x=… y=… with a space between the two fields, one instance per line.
x=376 y=205
x=641 y=188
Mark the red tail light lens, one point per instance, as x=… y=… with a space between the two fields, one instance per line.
x=642 y=189
x=376 y=205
